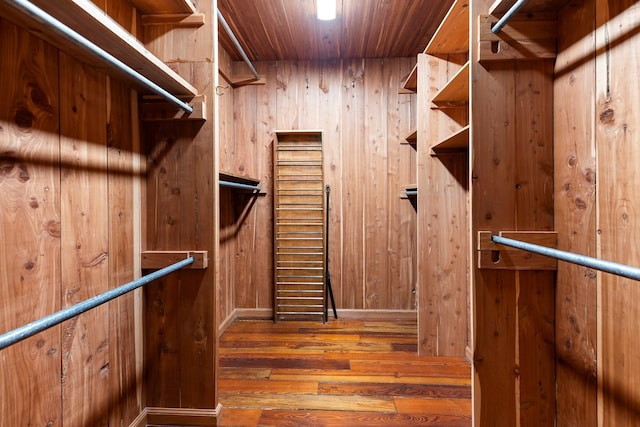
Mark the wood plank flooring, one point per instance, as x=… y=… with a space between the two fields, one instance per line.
x=342 y=373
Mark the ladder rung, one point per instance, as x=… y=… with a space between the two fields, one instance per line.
x=300 y=253
x=320 y=193
x=319 y=287
x=299 y=232
x=300 y=313
x=300 y=262
x=299 y=238
x=302 y=163
x=299 y=204
x=299 y=209
x=296 y=224
x=297 y=247
x=301 y=305
x=298 y=180
x=280 y=276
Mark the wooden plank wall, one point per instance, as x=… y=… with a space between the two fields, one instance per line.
x=596 y=204
x=575 y=215
x=30 y=226
x=67 y=224
x=230 y=219
x=372 y=231
x=182 y=201
x=443 y=224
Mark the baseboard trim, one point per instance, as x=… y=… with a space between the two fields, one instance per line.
x=157 y=416
x=353 y=314
x=224 y=325
x=384 y=315
x=140 y=420
x=245 y=314
x=267 y=314
x=254 y=313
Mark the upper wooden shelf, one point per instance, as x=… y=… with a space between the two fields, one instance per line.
x=455 y=142
x=410 y=85
x=95 y=25
x=409 y=192
x=452 y=36
x=500 y=7
x=455 y=94
x=412 y=138
x=227 y=176
x=163 y=7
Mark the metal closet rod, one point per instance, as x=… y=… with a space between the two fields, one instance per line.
x=411 y=192
x=30 y=329
x=595 y=263
x=502 y=21
x=237 y=44
x=239 y=185
x=70 y=35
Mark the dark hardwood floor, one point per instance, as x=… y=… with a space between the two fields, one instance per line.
x=343 y=373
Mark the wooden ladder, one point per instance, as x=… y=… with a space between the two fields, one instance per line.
x=299 y=226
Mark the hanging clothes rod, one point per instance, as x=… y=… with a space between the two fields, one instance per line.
x=236 y=43
x=239 y=185
x=503 y=21
x=595 y=263
x=411 y=193
x=30 y=329
x=70 y=35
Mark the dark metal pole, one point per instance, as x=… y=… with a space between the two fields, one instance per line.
x=239 y=185
x=595 y=263
x=503 y=21
x=30 y=329
x=328 y=275
x=47 y=20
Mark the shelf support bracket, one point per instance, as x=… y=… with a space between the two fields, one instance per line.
x=526 y=37
x=493 y=256
x=161 y=259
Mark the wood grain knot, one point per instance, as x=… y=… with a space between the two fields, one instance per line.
x=53 y=228
x=10 y=166
x=40 y=99
x=606 y=116
x=24 y=118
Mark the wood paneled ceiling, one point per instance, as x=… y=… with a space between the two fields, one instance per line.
x=288 y=29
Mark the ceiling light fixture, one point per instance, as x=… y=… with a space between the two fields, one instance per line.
x=326 y=9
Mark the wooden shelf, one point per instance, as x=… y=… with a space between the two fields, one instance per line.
x=456 y=142
x=412 y=138
x=452 y=36
x=163 y=7
x=413 y=189
x=500 y=7
x=241 y=183
x=410 y=85
x=455 y=94
x=89 y=21
x=227 y=176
